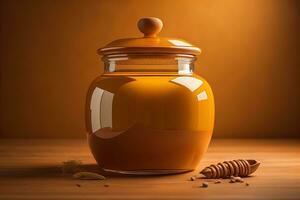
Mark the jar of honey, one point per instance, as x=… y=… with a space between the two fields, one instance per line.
x=149 y=113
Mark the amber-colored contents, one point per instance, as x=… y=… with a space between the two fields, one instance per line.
x=157 y=122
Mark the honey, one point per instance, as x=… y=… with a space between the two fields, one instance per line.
x=149 y=113
x=157 y=122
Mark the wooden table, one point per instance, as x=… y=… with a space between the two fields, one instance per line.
x=30 y=169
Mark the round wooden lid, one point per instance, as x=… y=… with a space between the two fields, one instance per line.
x=150 y=43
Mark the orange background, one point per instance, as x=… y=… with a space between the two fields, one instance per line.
x=250 y=57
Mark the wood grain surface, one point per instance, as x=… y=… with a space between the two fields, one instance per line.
x=31 y=169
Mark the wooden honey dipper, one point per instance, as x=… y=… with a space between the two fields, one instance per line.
x=241 y=168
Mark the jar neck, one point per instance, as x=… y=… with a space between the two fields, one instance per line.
x=148 y=64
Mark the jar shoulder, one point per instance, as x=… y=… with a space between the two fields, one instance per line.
x=112 y=83
x=103 y=77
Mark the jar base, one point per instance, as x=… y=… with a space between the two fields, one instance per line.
x=149 y=171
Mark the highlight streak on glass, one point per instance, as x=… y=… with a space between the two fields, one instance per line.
x=189 y=82
x=95 y=108
x=202 y=96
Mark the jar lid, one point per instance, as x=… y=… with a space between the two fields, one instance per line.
x=150 y=43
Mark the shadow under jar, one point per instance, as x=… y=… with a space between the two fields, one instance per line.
x=148 y=113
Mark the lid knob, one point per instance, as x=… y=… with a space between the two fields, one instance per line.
x=150 y=26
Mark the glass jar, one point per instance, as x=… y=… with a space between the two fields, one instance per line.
x=148 y=113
